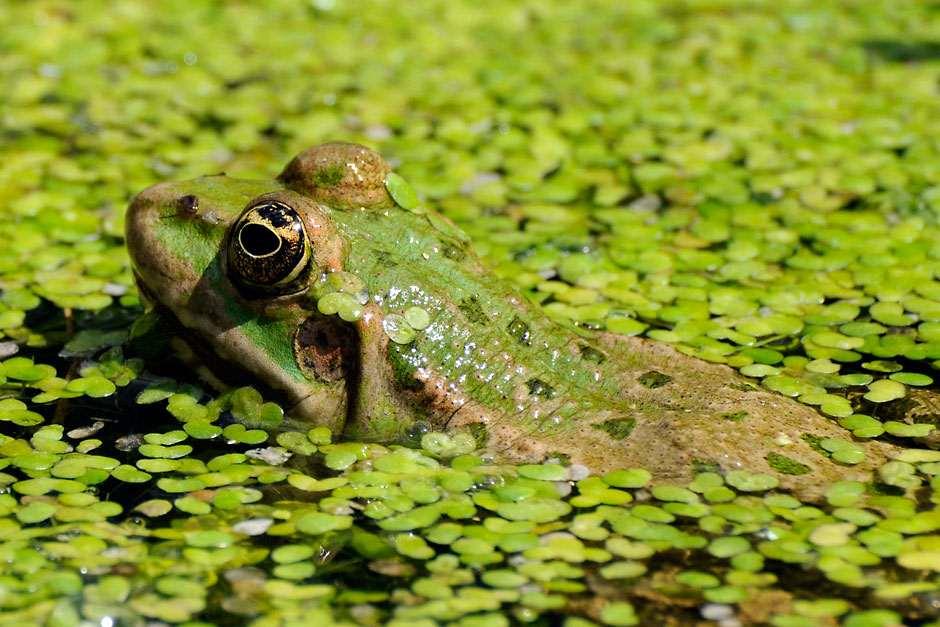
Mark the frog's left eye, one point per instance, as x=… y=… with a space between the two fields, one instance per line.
x=268 y=245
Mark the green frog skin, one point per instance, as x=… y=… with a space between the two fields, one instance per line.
x=372 y=318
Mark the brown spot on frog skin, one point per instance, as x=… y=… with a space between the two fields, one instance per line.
x=471 y=308
x=537 y=387
x=324 y=349
x=442 y=399
x=618 y=429
x=654 y=379
x=519 y=330
x=591 y=354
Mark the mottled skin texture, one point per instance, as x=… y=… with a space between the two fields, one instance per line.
x=489 y=361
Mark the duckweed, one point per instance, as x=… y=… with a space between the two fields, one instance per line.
x=629 y=166
x=419 y=319
x=398 y=329
x=401 y=191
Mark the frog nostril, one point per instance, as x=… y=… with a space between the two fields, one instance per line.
x=188 y=204
x=258 y=240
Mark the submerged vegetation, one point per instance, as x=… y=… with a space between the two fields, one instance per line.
x=756 y=183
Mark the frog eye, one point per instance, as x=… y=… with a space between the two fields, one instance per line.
x=268 y=245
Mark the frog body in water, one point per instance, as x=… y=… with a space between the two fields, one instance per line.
x=374 y=317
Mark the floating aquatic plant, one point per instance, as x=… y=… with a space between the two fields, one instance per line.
x=754 y=183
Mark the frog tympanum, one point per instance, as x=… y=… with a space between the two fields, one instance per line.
x=337 y=293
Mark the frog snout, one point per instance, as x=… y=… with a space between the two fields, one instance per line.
x=140 y=219
x=152 y=240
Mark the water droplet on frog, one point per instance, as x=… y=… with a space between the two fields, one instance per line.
x=418 y=429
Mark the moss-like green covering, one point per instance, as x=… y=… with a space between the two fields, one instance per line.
x=328 y=177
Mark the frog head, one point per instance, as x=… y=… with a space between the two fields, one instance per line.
x=277 y=279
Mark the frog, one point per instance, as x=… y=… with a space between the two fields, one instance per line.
x=333 y=289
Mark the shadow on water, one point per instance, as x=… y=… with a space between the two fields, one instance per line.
x=903 y=51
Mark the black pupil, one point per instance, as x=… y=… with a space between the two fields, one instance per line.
x=258 y=240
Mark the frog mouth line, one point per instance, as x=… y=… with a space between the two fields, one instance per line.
x=222 y=373
x=225 y=373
